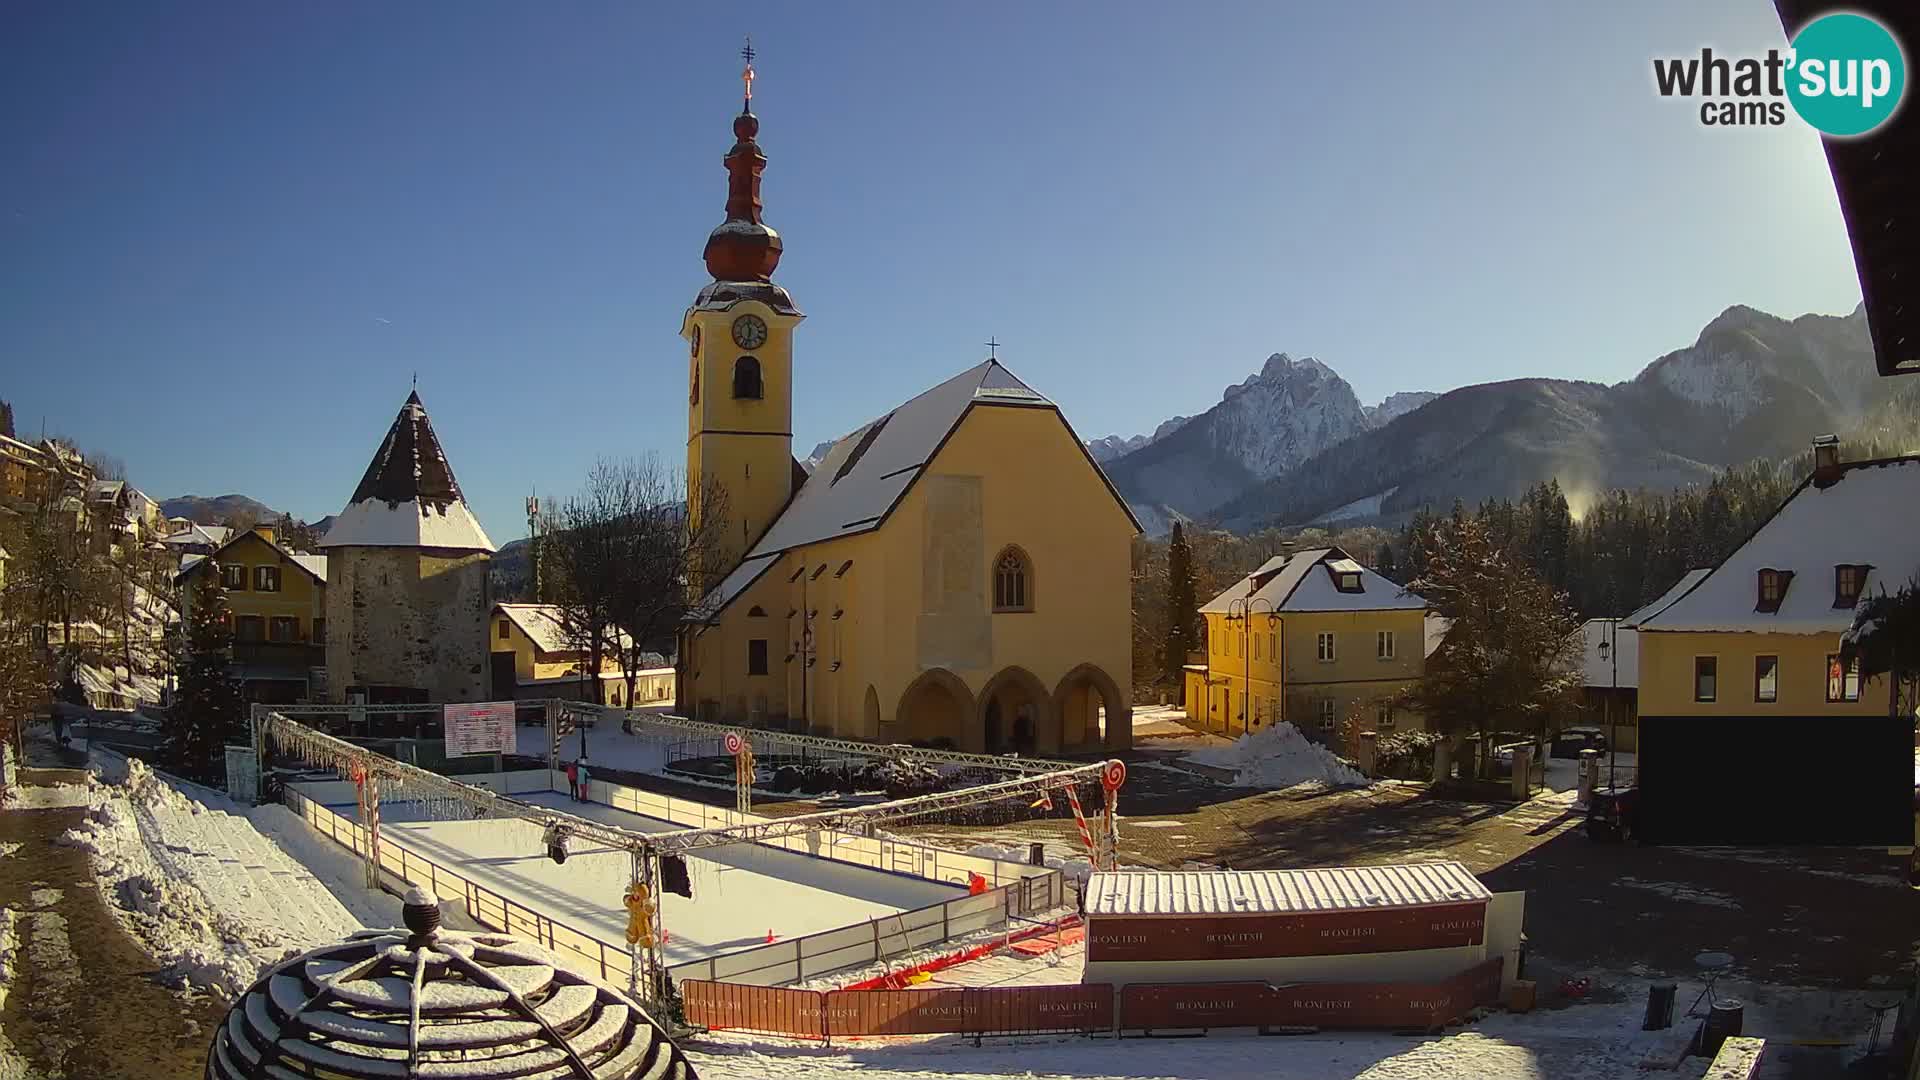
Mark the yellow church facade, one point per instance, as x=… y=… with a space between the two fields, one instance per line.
x=955 y=572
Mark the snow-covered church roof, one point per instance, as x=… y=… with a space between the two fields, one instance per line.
x=866 y=474
x=1869 y=516
x=1288 y=583
x=408 y=497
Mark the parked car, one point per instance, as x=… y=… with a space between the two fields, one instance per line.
x=1570 y=741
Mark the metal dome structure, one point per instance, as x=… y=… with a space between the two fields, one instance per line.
x=422 y=1003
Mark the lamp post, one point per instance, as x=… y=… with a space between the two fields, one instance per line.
x=1610 y=652
x=1240 y=610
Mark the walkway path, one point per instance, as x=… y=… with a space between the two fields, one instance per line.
x=82 y=1004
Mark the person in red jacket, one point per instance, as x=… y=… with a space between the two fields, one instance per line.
x=573 y=780
x=975 y=884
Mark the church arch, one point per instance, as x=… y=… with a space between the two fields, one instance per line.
x=1015 y=715
x=1080 y=699
x=936 y=705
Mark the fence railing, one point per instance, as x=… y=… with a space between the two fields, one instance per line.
x=792 y=960
x=1090 y=1007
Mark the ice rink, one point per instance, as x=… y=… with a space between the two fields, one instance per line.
x=740 y=892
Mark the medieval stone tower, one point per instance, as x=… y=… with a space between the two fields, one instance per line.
x=408 y=594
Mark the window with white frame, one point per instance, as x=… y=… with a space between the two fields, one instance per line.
x=1383 y=714
x=1383 y=644
x=266 y=579
x=1324 y=646
x=1324 y=708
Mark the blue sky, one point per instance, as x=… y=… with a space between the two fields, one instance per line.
x=231 y=232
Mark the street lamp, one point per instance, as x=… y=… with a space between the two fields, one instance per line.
x=1239 y=610
x=1610 y=655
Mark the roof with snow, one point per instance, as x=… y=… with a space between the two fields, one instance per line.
x=545 y=625
x=314 y=565
x=196 y=534
x=1869 y=516
x=865 y=475
x=1260 y=892
x=408 y=497
x=1436 y=627
x=1665 y=600
x=1308 y=581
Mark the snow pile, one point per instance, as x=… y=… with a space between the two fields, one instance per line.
x=1278 y=757
x=9 y=943
x=197 y=943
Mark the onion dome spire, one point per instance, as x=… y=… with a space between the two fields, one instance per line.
x=743 y=248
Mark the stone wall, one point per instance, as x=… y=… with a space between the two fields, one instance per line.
x=408 y=617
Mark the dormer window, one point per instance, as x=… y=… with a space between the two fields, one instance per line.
x=1346 y=575
x=1773 y=589
x=1848 y=580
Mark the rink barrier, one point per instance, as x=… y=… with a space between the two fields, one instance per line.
x=1086 y=1008
x=790 y=960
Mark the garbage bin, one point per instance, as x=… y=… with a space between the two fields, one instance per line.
x=1660 y=1006
x=1725 y=1019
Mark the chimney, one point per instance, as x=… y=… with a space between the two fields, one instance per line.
x=1826 y=460
x=264 y=532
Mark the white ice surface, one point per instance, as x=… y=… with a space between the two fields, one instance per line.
x=740 y=892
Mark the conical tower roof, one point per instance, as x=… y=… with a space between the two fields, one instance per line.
x=408 y=497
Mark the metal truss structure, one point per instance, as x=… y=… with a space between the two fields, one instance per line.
x=767 y=737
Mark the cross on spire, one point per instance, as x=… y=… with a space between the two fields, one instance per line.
x=993 y=349
x=746 y=76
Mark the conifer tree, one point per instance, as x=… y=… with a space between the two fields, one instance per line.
x=207 y=712
x=1182 y=607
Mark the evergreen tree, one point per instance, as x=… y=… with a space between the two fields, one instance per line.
x=1182 y=606
x=207 y=712
x=1510 y=660
x=1383 y=561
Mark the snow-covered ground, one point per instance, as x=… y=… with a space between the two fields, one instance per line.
x=208 y=896
x=740 y=892
x=1278 y=756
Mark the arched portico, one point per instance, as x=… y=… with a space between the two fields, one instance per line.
x=1083 y=697
x=936 y=705
x=1016 y=715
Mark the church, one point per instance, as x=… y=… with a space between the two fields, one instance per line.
x=955 y=572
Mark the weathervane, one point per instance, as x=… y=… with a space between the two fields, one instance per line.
x=746 y=77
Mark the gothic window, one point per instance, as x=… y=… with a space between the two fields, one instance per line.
x=746 y=378
x=1012 y=581
x=693 y=396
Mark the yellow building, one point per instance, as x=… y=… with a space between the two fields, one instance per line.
x=955 y=571
x=1741 y=677
x=1308 y=638
x=277 y=599
x=1759 y=634
x=534 y=657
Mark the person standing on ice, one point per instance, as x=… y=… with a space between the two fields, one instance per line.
x=573 y=779
x=586 y=783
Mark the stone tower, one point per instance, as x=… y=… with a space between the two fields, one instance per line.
x=408 y=594
x=739 y=334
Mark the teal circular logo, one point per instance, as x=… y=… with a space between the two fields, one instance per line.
x=1847 y=74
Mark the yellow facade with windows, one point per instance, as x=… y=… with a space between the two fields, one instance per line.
x=1807 y=679
x=955 y=572
x=1310 y=638
x=277 y=603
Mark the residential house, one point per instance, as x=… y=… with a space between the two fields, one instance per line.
x=535 y=657
x=186 y=537
x=954 y=571
x=1610 y=668
x=1741 y=677
x=277 y=601
x=1310 y=637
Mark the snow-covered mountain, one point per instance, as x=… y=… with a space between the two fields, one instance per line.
x=1396 y=406
x=1112 y=446
x=1291 y=443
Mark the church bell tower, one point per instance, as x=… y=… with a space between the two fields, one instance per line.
x=739 y=335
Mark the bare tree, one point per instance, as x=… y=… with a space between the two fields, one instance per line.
x=629 y=563
x=107 y=467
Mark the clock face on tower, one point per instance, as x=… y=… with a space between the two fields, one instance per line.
x=749 y=332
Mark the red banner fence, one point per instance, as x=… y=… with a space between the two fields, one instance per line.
x=1090 y=1007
